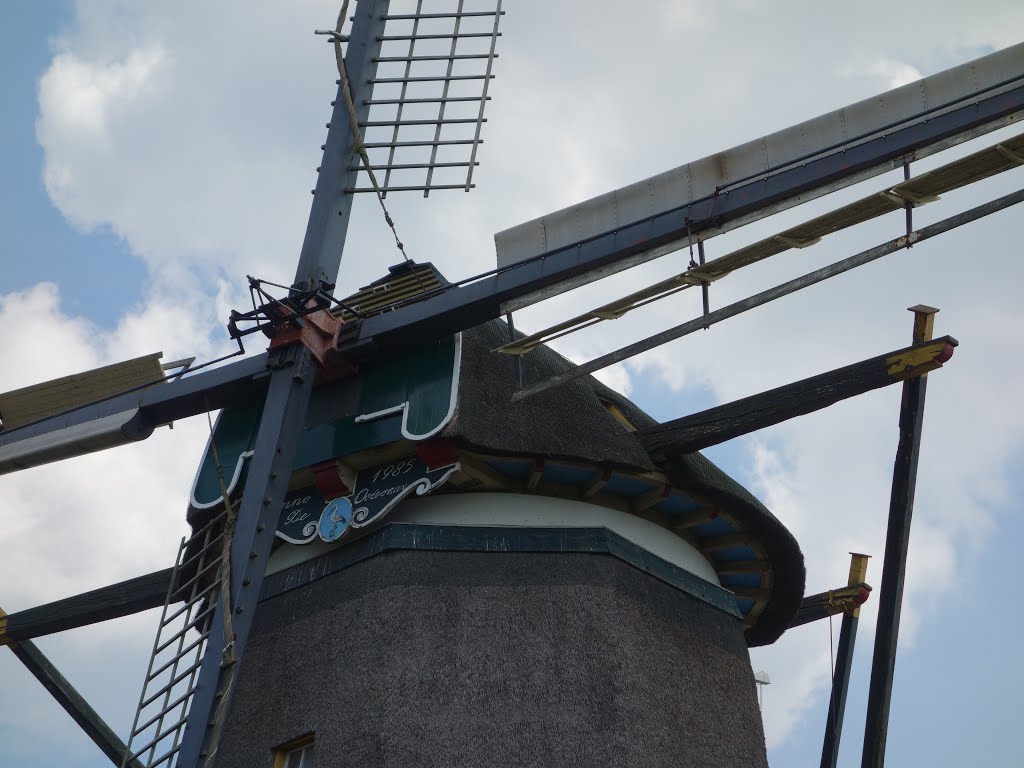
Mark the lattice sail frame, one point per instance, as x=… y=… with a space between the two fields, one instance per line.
x=429 y=95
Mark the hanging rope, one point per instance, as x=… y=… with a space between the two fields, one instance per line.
x=357 y=138
x=228 y=659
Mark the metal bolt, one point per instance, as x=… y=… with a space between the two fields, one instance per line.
x=260 y=528
x=267 y=500
x=252 y=555
x=239 y=609
x=246 y=581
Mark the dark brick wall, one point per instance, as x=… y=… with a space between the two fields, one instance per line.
x=446 y=659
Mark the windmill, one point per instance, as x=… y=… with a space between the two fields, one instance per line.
x=455 y=308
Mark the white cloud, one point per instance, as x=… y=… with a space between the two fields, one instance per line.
x=82 y=524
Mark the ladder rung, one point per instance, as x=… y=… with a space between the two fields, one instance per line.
x=201 y=615
x=213 y=564
x=201 y=551
x=177 y=702
x=174 y=681
x=190 y=604
x=157 y=739
x=177 y=658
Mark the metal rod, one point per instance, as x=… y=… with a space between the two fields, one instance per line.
x=151 y=745
x=327 y=227
x=844 y=663
x=410 y=58
x=805 y=281
x=424 y=100
x=704 y=287
x=187 y=607
x=408 y=189
x=429 y=79
x=908 y=206
x=177 y=702
x=447 y=36
x=397 y=166
x=455 y=15
x=894 y=566
x=166 y=687
x=444 y=93
x=443 y=142
x=399 y=122
x=480 y=115
x=401 y=100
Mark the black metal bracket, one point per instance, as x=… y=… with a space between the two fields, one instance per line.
x=269 y=313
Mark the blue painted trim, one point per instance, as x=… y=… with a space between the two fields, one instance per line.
x=444 y=538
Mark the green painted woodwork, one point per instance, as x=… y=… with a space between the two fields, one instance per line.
x=419 y=387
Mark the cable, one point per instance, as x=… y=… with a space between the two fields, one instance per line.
x=228 y=659
x=357 y=138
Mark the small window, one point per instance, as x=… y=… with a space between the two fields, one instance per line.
x=295 y=754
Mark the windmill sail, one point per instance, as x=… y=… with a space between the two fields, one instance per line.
x=714 y=194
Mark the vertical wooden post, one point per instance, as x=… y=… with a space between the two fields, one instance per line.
x=894 y=567
x=844 y=662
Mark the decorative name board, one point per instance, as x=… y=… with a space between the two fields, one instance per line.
x=306 y=515
x=300 y=516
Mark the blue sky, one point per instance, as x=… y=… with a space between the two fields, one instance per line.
x=199 y=171
x=38 y=243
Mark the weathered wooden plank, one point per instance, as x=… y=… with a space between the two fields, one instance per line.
x=103 y=604
x=724 y=422
x=894 y=564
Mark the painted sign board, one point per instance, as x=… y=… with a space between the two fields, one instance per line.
x=306 y=515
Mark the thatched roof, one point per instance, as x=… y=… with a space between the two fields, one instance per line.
x=572 y=423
